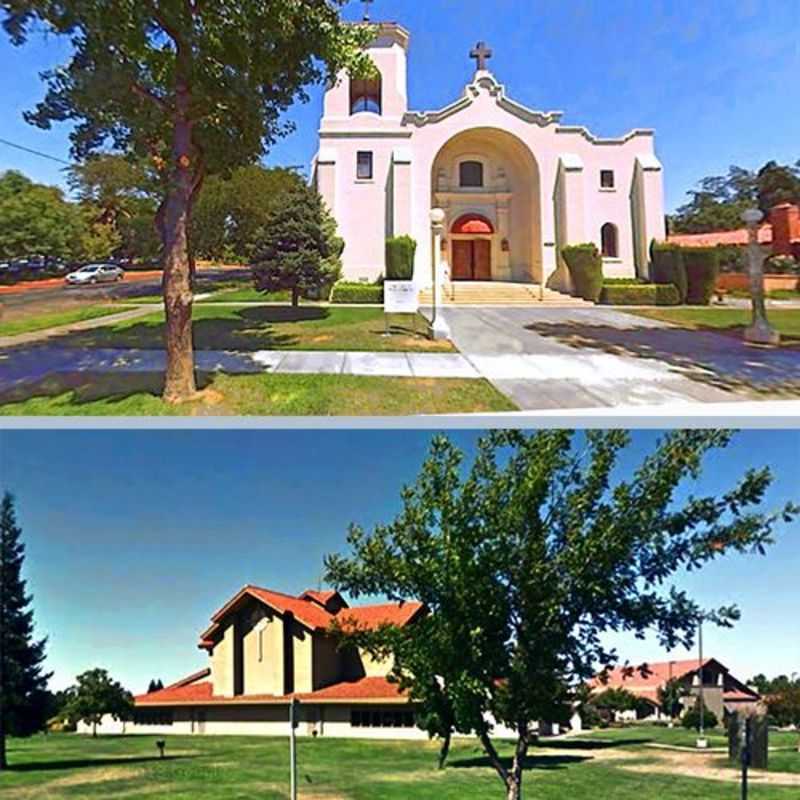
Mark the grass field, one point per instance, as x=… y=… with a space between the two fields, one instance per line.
x=271 y=328
x=40 y=322
x=61 y=767
x=256 y=395
x=726 y=320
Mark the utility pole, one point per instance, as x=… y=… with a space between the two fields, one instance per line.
x=702 y=696
x=293 y=749
x=746 y=755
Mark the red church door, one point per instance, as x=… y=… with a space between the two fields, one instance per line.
x=472 y=260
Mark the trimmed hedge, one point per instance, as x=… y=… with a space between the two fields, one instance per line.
x=641 y=294
x=669 y=267
x=400 y=253
x=357 y=293
x=702 y=271
x=586 y=270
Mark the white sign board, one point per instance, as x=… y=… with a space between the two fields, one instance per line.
x=400 y=297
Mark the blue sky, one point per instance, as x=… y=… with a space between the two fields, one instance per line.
x=135 y=538
x=718 y=81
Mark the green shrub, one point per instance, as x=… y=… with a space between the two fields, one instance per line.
x=643 y=294
x=623 y=282
x=782 y=265
x=702 y=271
x=732 y=258
x=691 y=719
x=357 y=293
x=586 y=270
x=669 y=268
x=400 y=253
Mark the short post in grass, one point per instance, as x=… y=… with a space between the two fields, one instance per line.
x=439 y=326
x=702 y=742
x=293 y=707
x=760 y=332
x=161 y=745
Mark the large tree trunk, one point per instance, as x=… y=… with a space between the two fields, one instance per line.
x=513 y=789
x=444 y=752
x=512 y=778
x=3 y=676
x=179 y=384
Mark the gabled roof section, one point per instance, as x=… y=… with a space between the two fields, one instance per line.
x=649 y=676
x=187 y=688
x=311 y=610
x=483 y=82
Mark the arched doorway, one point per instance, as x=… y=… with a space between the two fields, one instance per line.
x=471 y=249
x=487 y=182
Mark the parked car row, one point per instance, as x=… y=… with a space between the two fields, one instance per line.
x=76 y=273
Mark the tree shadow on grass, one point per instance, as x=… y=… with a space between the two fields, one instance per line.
x=245 y=329
x=706 y=356
x=113 y=389
x=82 y=763
x=589 y=744
x=531 y=762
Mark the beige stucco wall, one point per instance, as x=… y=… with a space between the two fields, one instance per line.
x=374 y=668
x=222 y=663
x=327 y=661
x=264 y=674
x=302 y=644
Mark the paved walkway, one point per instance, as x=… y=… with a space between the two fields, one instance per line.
x=544 y=359
x=562 y=358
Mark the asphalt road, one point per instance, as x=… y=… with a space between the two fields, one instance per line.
x=37 y=301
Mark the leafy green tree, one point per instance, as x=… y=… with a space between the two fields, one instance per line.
x=783 y=705
x=231 y=213
x=615 y=700
x=525 y=559
x=94 y=696
x=124 y=195
x=778 y=184
x=298 y=250
x=670 y=696
x=718 y=202
x=36 y=219
x=23 y=682
x=196 y=88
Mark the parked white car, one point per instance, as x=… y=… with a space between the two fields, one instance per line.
x=95 y=273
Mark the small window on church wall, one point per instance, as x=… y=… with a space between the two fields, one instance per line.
x=606 y=178
x=364 y=167
x=471 y=175
x=608 y=234
x=366 y=95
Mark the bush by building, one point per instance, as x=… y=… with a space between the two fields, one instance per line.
x=640 y=294
x=585 y=266
x=345 y=293
x=691 y=719
x=702 y=270
x=400 y=252
x=669 y=268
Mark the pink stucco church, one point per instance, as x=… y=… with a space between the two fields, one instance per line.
x=515 y=184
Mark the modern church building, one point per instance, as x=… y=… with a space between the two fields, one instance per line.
x=516 y=185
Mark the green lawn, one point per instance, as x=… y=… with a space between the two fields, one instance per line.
x=725 y=320
x=256 y=395
x=247 y=294
x=64 y=766
x=271 y=328
x=640 y=735
x=53 y=319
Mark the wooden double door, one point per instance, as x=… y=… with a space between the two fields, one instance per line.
x=472 y=260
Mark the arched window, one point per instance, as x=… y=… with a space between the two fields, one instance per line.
x=366 y=95
x=609 y=237
x=470 y=175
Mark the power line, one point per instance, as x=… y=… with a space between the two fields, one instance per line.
x=35 y=152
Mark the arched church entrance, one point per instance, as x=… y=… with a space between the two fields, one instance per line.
x=487 y=182
x=471 y=248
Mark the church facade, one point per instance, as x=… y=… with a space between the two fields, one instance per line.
x=515 y=184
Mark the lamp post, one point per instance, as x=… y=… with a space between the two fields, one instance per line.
x=439 y=326
x=760 y=332
x=293 y=749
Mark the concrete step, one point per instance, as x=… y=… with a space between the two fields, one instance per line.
x=490 y=293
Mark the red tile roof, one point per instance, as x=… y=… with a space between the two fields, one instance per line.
x=738 y=237
x=362 y=690
x=321 y=597
x=312 y=615
x=651 y=677
x=369 y=617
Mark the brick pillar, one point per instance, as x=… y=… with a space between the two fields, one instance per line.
x=785 y=220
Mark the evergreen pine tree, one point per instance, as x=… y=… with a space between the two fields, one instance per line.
x=23 y=684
